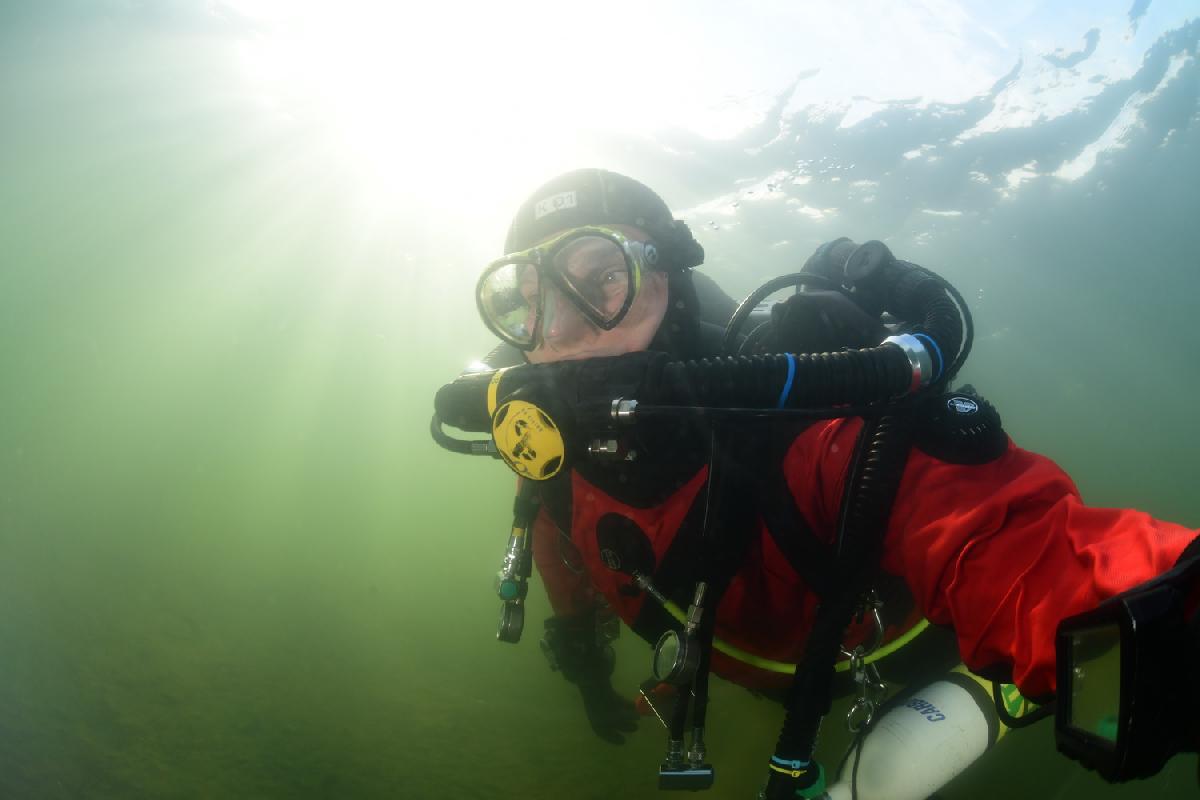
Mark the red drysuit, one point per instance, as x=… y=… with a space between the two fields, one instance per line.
x=1000 y=551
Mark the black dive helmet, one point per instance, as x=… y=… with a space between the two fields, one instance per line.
x=544 y=417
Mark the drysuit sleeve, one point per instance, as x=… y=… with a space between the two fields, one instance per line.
x=1001 y=551
x=567 y=583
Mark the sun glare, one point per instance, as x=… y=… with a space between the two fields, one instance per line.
x=419 y=101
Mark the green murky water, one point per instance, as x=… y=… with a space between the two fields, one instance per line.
x=232 y=564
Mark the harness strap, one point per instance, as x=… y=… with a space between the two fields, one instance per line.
x=807 y=555
x=871 y=486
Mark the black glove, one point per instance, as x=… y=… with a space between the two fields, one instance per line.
x=820 y=322
x=829 y=260
x=572 y=646
x=610 y=714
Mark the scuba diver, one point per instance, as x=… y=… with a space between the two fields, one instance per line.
x=779 y=494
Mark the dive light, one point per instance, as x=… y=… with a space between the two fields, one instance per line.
x=1127 y=692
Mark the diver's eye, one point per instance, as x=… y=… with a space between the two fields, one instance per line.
x=614 y=277
x=529 y=290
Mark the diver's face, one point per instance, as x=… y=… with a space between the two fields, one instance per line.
x=567 y=335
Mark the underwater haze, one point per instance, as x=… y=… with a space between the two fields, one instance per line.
x=238 y=246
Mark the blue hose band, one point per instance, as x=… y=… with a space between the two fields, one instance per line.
x=787 y=386
x=783 y=762
x=941 y=361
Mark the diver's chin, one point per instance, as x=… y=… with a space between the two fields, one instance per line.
x=552 y=355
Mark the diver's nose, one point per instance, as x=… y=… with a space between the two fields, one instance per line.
x=563 y=323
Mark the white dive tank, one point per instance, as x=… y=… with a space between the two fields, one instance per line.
x=924 y=741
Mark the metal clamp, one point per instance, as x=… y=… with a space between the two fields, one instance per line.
x=871 y=690
x=860 y=715
x=876 y=639
x=918 y=357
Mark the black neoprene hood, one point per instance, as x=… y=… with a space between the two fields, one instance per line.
x=599 y=197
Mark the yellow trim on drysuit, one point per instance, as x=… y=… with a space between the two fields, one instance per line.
x=770 y=665
x=1018 y=705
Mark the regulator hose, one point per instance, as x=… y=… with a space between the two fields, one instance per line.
x=875 y=280
x=920 y=296
x=744 y=309
x=468 y=447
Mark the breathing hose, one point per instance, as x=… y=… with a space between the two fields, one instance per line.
x=901 y=365
x=778 y=381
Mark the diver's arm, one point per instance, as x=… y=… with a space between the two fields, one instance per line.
x=1001 y=551
x=561 y=569
x=1004 y=551
x=574 y=640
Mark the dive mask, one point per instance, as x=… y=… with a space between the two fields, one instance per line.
x=597 y=269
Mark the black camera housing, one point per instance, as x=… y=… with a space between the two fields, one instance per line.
x=1154 y=631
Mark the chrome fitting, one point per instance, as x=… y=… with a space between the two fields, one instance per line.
x=624 y=410
x=698 y=752
x=646 y=586
x=604 y=447
x=675 y=759
x=918 y=357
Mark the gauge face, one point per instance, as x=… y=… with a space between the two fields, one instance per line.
x=666 y=656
